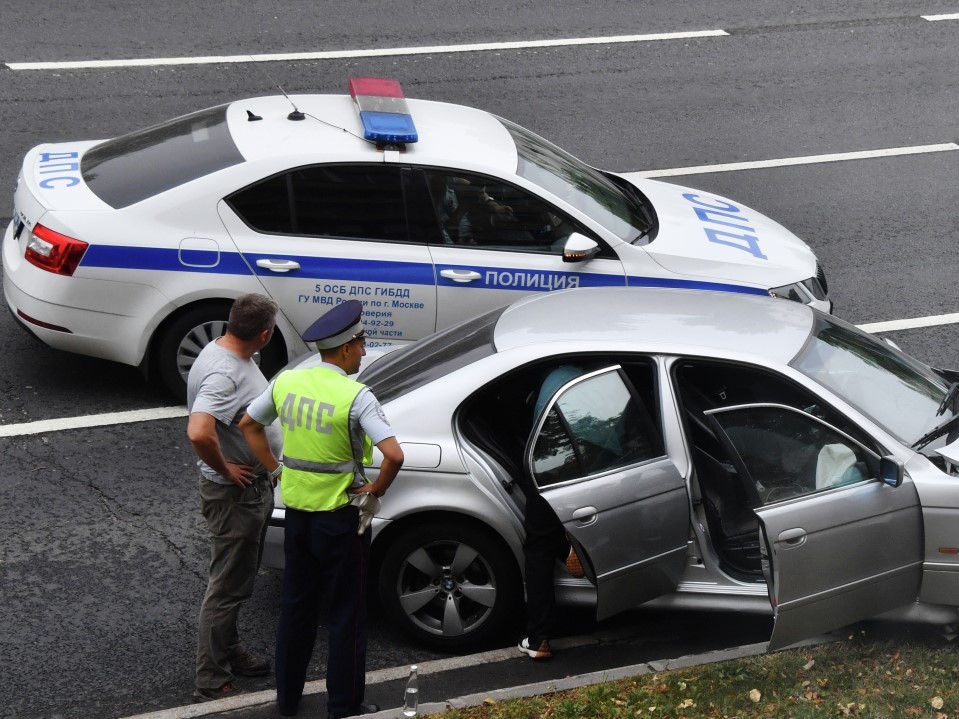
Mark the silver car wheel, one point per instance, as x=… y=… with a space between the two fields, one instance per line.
x=446 y=588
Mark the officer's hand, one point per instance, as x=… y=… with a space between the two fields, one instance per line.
x=240 y=474
x=366 y=488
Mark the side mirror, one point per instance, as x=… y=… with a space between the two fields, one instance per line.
x=890 y=471
x=579 y=248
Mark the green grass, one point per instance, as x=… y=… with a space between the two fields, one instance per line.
x=855 y=677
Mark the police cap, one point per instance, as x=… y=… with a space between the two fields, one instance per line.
x=337 y=326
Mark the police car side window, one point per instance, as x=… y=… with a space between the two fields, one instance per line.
x=338 y=201
x=481 y=212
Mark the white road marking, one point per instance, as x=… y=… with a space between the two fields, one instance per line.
x=911 y=324
x=91 y=420
x=148 y=415
x=935 y=18
x=802 y=160
x=382 y=52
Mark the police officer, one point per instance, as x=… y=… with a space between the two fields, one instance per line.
x=330 y=424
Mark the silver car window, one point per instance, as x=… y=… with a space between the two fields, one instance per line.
x=593 y=426
x=896 y=391
x=788 y=453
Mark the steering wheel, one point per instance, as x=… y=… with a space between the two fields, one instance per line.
x=786 y=490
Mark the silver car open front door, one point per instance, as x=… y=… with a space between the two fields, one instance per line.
x=838 y=544
x=597 y=458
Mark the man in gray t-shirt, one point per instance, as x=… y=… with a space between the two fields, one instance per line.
x=236 y=493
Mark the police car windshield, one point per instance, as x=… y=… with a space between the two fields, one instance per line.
x=897 y=392
x=139 y=165
x=582 y=186
x=432 y=357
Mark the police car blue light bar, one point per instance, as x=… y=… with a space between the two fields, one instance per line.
x=383 y=111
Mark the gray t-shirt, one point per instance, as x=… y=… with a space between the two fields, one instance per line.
x=222 y=384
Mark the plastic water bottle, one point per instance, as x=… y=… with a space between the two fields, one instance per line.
x=411 y=699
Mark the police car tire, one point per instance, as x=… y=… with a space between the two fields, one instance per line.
x=174 y=334
x=493 y=565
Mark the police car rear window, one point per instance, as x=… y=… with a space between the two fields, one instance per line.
x=133 y=167
x=432 y=357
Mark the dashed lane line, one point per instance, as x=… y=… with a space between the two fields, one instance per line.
x=386 y=52
x=801 y=160
x=91 y=420
x=372 y=52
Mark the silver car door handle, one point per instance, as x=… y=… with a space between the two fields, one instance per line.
x=585 y=515
x=278 y=265
x=792 y=537
x=460 y=275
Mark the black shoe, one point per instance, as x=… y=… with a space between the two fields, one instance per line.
x=362 y=709
x=287 y=711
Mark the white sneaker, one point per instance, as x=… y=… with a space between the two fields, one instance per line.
x=542 y=652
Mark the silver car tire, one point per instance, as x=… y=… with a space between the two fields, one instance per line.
x=449 y=585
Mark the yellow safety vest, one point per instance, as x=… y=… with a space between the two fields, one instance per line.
x=323 y=451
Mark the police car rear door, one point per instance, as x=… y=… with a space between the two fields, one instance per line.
x=493 y=242
x=321 y=234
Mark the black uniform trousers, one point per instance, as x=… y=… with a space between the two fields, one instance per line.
x=545 y=543
x=326 y=568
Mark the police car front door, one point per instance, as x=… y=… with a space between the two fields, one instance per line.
x=317 y=236
x=497 y=242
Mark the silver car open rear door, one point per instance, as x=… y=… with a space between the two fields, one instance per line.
x=598 y=460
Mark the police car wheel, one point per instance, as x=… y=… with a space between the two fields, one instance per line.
x=449 y=585
x=181 y=340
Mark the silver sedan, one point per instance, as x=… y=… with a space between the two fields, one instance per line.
x=701 y=449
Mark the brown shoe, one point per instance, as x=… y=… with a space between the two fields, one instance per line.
x=246 y=664
x=573 y=565
x=207 y=695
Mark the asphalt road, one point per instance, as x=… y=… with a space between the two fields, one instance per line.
x=102 y=554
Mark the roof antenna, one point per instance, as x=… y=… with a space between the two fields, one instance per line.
x=295 y=114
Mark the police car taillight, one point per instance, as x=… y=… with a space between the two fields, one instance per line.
x=54 y=252
x=383 y=111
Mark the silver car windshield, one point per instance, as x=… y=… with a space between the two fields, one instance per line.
x=894 y=390
x=625 y=214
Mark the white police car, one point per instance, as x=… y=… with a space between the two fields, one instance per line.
x=132 y=249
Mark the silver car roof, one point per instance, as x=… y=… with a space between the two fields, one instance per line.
x=662 y=320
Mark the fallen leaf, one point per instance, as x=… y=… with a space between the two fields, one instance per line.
x=809 y=665
x=936 y=702
x=686 y=703
x=755 y=695
x=489 y=701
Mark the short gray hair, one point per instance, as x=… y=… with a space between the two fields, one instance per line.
x=250 y=315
